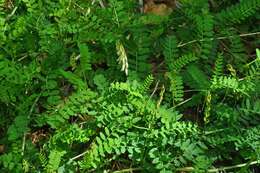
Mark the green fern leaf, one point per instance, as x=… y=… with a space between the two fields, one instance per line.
x=205 y=25
x=238 y=12
x=196 y=78
x=178 y=64
x=176 y=87
x=84 y=58
x=170 y=51
x=147 y=83
x=54 y=160
x=218 y=70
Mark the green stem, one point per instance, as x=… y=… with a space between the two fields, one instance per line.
x=191 y=169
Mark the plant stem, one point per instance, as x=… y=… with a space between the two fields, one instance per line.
x=128 y=170
x=218 y=38
x=29 y=114
x=191 y=169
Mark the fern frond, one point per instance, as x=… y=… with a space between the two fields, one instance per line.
x=205 y=24
x=178 y=64
x=254 y=67
x=54 y=160
x=71 y=134
x=147 y=83
x=236 y=48
x=196 y=78
x=182 y=135
x=43 y=159
x=225 y=115
x=170 y=51
x=141 y=53
x=232 y=83
x=185 y=129
x=218 y=69
x=250 y=139
x=104 y=144
x=74 y=79
x=84 y=58
x=238 y=12
x=225 y=82
x=176 y=87
x=20 y=27
x=119 y=88
x=249 y=112
x=13 y=78
x=75 y=105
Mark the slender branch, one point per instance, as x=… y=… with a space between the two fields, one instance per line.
x=181 y=103
x=155 y=89
x=12 y=13
x=101 y=4
x=128 y=170
x=248 y=64
x=78 y=156
x=22 y=58
x=186 y=91
x=23 y=145
x=28 y=116
x=191 y=169
x=93 y=2
x=142 y=128
x=77 y=57
x=141 y=4
x=218 y=38
x=215 y=131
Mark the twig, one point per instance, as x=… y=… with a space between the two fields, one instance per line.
x=93 y=2
x=77 y=57
x=182 y=103
x=101 y=4
x=186 y=91
x=12 y=13
x=218 y=38
x=23 y=145
x=155 y=89
x=248 y=64
x=215 y=131
x=142 y=128
x=141 y=4
x=128 y=170
x=191 y=169
x=78 y=156
x=28 y=116
x=22 y=58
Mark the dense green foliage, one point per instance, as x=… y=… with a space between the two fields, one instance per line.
x=93 y=86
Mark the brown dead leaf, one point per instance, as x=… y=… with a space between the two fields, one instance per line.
x=2 y=148
x=160 y=8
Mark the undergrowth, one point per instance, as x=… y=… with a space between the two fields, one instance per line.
x=98 y=86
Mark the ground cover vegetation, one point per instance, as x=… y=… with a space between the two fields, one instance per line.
x=104 y=86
